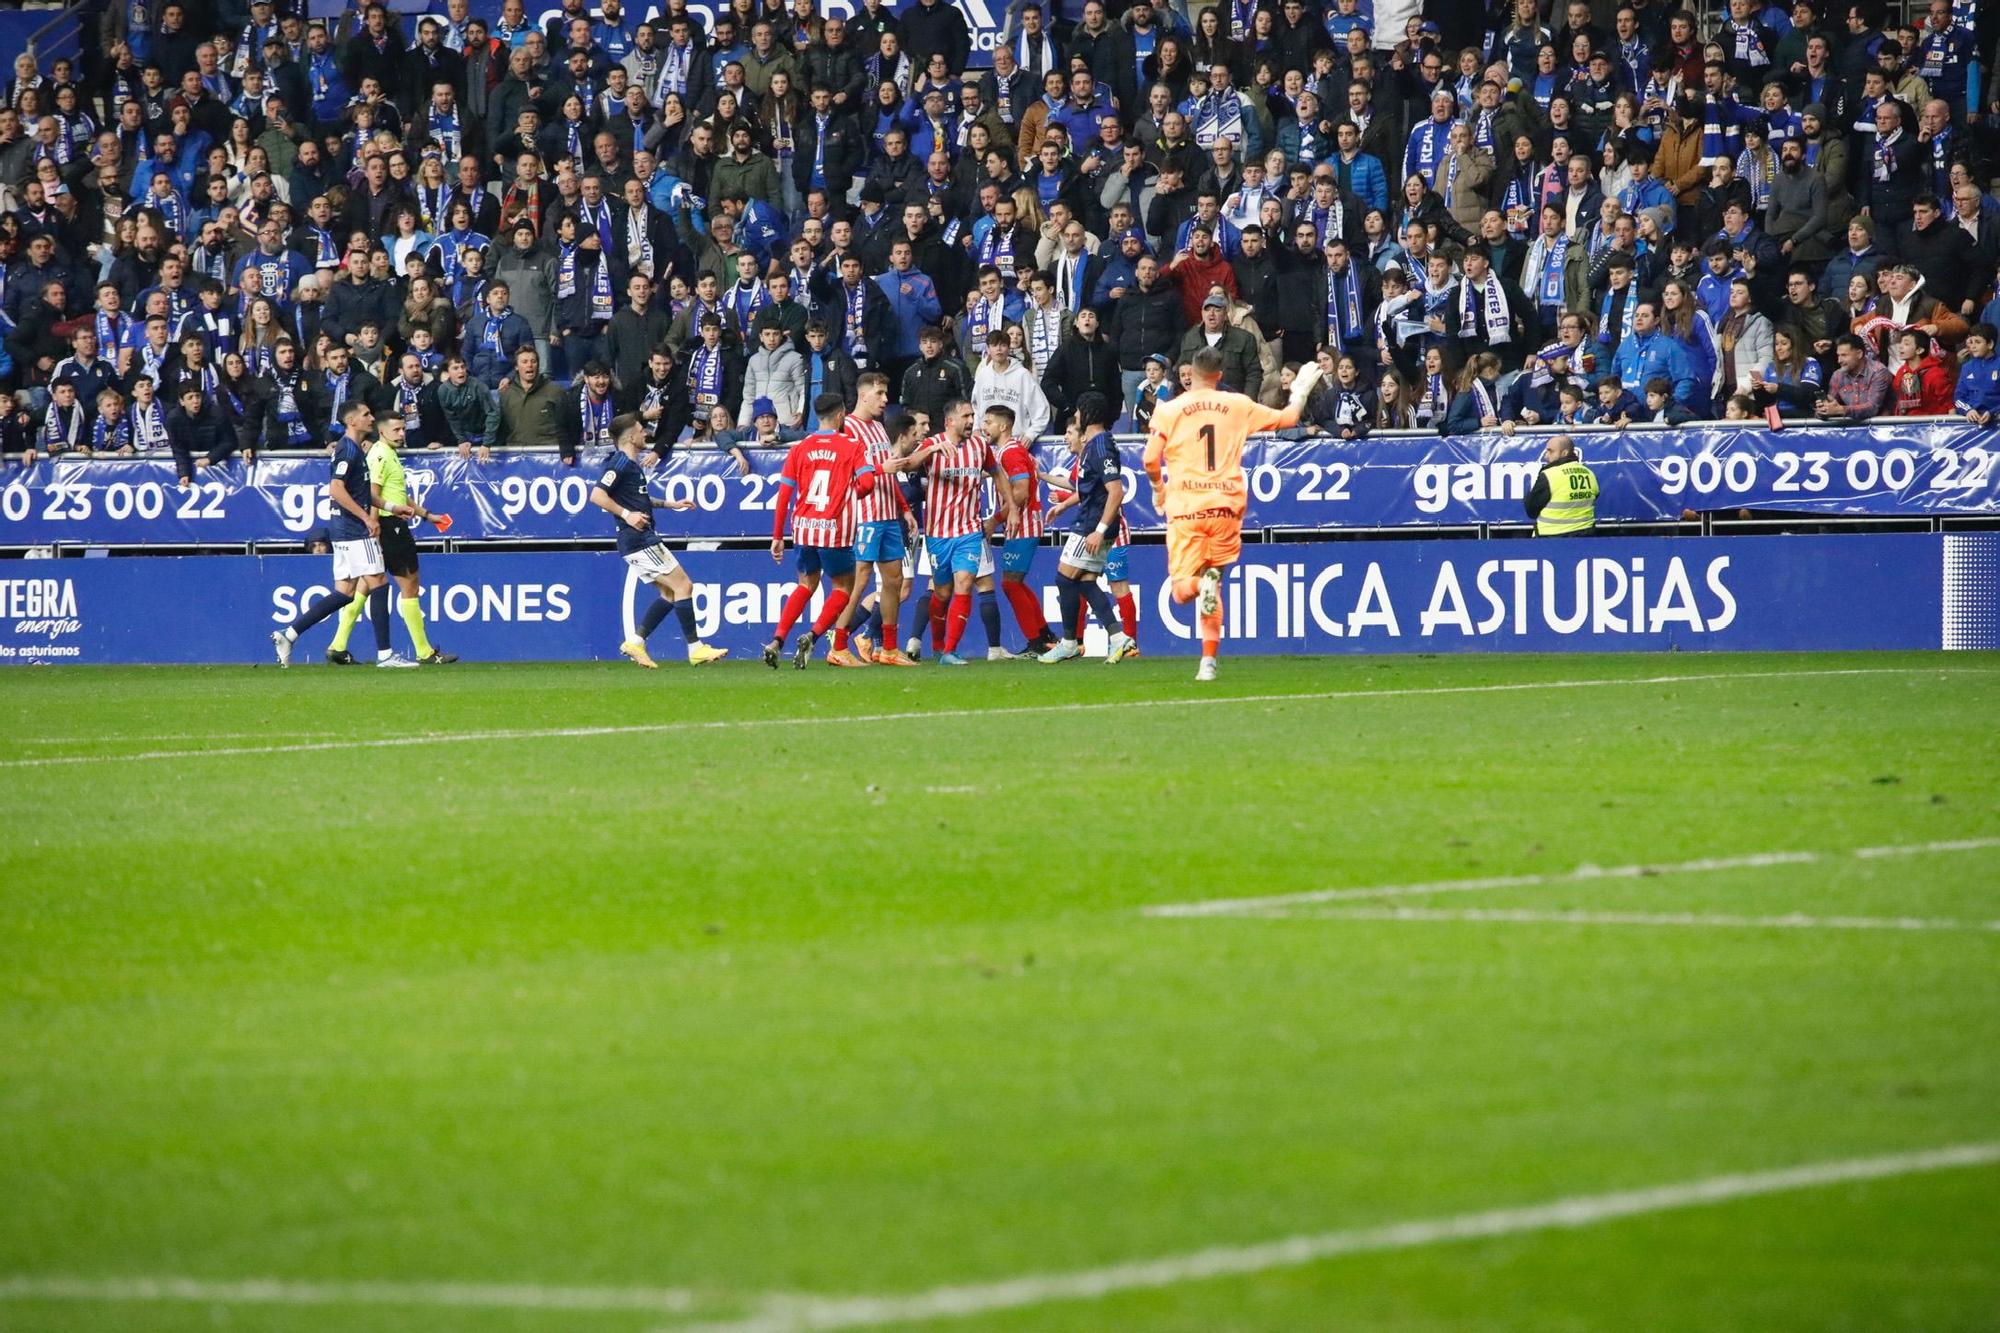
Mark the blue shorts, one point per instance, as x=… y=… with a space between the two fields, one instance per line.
x=879 y=540
x=951 y=555
x=1018 y=554
x=832 y=561
x=1114 y=564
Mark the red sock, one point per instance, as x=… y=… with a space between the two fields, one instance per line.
x=961 y=611
x=836 y=602
x=1027 y=609
x=937 y=620
x=1128 y=613
x=840 y=640
x=795 y=605
x=890 y=643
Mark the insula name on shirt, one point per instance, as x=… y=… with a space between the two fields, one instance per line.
x=1520 y=597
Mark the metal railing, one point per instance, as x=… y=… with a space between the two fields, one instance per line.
x=61 y=36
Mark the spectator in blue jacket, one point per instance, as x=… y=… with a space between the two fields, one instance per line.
x=913 y=303
x=1121 y=270
x=1359 y=173
x=494 y=335
x=1978 y=396
x=1650 y=354
x=759 y=229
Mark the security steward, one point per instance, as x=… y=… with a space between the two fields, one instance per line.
x=1563 y=500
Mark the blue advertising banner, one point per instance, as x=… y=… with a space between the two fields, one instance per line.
x=1594 y=594
x=1644 y=476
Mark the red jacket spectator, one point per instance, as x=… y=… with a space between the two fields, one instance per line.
x=1924 y=387
x=1195 y=273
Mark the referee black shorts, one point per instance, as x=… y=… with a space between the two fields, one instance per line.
x=399 y=548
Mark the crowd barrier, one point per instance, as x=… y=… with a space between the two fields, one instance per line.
x=1931 y=468
x=1861 y=591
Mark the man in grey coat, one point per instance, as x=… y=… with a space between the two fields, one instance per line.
x=528 y=267
x=1797 y=217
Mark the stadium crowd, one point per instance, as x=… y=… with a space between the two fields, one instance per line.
x=224 y=220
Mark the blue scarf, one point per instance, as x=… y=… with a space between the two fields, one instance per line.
x=433 y=204
x=114 y=330
x=336 y=389
x=744 y=305
x=406 y=403
x=1721 y=130
x=489 y=336
x=107 y=436
x=1343 y=308
x=600 y=282
x=596 y=420
x=854 y=332
x=325 y=255
x=60 y=428
x=450 y=138
x=997 y=248
x=705 y=370
x=1624 y=316
x=1552 y=270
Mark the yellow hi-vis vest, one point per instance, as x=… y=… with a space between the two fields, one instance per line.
x=1572 y=505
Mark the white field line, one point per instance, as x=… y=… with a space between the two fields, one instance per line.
x=804 y=1314
x=815 y=1315
x=1694 y=920
x=160 y=736
x=934 y=714
x=1279 y=903
x=415 y=1295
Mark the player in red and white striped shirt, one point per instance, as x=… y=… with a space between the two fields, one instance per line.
x=957 y=463
x=878 y=535
x=823 y=472
x=1024 y=530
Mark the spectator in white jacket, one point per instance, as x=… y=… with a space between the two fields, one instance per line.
x=776 y=371
x=1744 y=343
x=1005 y=381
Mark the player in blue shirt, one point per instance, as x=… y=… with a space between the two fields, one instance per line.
x=357 y=545
x=1100 y=492
x=621 y=492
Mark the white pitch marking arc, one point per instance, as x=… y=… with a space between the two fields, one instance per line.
x=962 y=1302
x=1688 y=920
x=1281 y=903
x=814 y=1314
x=940 y=714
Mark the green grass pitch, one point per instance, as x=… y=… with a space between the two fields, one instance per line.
x=756 y=992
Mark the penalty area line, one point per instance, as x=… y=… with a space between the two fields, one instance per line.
x=961 y=1302
x=935 y=714
x=414 y=1295
x=1691 y=920
x=807 y=1314
x=1279 y=904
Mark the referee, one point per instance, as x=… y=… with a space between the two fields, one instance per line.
x=399 y=549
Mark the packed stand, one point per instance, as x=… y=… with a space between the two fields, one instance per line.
x=225 y=223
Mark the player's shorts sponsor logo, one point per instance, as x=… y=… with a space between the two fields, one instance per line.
x=1521 y=598
x=37 y=613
